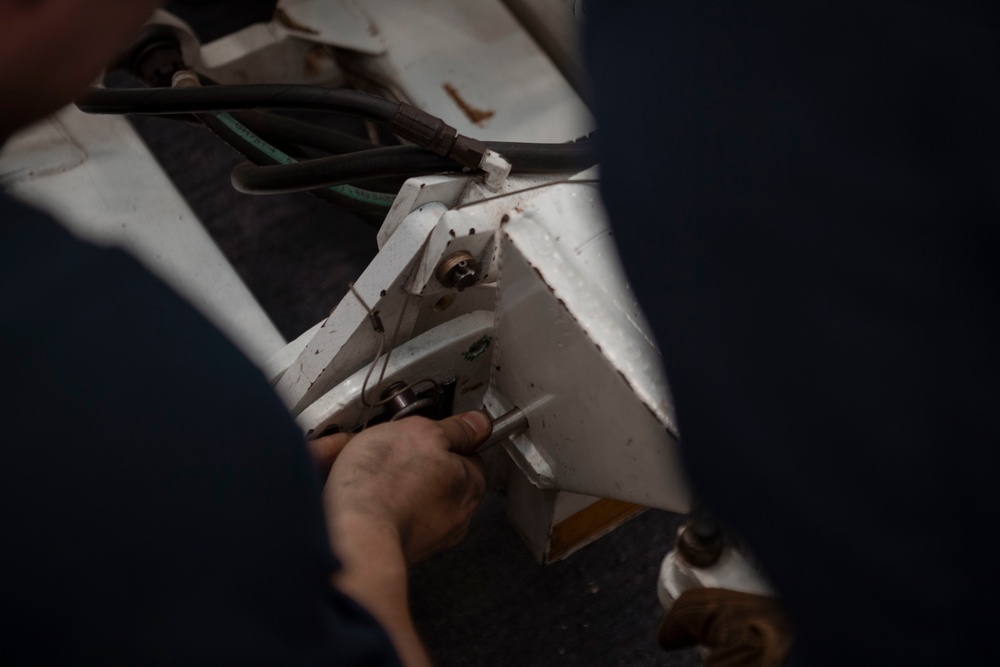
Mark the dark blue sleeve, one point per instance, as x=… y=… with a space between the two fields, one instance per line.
x=159 y=505
x=807 y=197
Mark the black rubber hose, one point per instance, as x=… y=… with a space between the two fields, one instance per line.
x=277 y=128
x=284 y=133
x=209 y=99
x=547 y=158
x=406 y=161
x=339 y=169
x=372 y=215
x=528 y=157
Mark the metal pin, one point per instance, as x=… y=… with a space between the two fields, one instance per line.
x=505 y=426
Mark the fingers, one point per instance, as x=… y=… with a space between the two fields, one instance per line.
x=324 y=451
x=466 y=431
x=417 y=475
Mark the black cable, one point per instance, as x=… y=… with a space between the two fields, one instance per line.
x=339 y=169
x=209 y=99
x=277 y=128
x=283 y=132
x=403 y=161
x=528 y=157
x=406 y=121
x=373 y=215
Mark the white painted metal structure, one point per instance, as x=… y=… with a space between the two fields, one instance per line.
x=95 y=175
x=733 y=572
x=567 y=342
x=550 y=326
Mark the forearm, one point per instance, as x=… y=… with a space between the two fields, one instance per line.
x=374 y=574
x=396 y=494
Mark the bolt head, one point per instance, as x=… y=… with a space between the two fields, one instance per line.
x=459 y=270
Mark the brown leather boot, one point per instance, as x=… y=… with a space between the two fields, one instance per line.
x=735 y=629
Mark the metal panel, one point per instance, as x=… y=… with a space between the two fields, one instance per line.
x=573 y=353
x=441 y=354
x=454 y=58
x=95 y=175
x=348 y=339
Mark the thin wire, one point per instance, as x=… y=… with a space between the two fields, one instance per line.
x=380 y=330
x=373 y=315
x=392 y=341
x=584 y=181
x=377 y=325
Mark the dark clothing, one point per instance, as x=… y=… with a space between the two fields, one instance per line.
x=158 y=504
x=807 y=199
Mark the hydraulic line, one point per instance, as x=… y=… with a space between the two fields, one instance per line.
x=337 y=169
x=214 y=99
x=288 y=134
x=253 y=147
x=439 y=147
x=529 y=157
x=404 y=120
x=404 y=161
x=278 y=157
x=271 y=126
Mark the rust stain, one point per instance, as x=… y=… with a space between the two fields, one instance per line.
x=469 y=390
x=316 y=58
x=477 y=116
x=285 y=19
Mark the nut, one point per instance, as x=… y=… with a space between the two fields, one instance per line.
x=401 y=402
x=459 y=270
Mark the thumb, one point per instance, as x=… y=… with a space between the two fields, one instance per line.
x=324 y=451
x=466 y=431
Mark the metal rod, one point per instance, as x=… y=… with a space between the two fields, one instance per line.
x=505 y=426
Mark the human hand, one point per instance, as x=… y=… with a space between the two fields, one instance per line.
x=325 y=450
x=415 y=478
x=395 y=494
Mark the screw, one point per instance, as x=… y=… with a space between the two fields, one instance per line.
x=458 y=270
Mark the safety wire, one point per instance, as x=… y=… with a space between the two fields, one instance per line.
x=549 y=184
x=379 y=329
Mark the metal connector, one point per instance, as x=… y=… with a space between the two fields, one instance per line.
x=435 y=135
x=459 y=270
x=496 y=168
x=425 y=130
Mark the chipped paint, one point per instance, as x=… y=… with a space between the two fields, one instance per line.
x=478 y=348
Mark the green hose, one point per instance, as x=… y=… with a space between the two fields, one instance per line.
x=357 y=194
